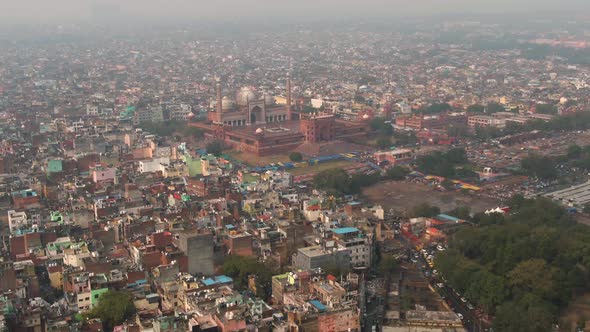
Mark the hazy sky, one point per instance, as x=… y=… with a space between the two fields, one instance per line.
x=52 y=10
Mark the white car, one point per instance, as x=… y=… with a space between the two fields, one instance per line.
x=460 y=316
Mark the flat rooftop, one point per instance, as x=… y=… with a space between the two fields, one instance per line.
x=577 y=195
x=312 y=251
x=345 y=230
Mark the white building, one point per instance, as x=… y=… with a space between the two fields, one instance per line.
x=357 y=243
x=153 y=165
x=17 y=220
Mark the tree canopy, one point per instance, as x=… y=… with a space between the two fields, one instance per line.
x=113 y=308
x=520 y=267
x=240 y=268
x=546 y=109
x=475 y=109
x=215 y=148
x=424 y=210
x=436 y=108
x=383 y=142
x=296 y=156
x=574 y=151
x=163 y=129
x=336 y=181
x=442 y=163
x=541 y=167
x=494 y=108
x=381 y=126
x=397 y=173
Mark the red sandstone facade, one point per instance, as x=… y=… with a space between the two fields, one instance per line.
x=254 y=124
x=442 y=121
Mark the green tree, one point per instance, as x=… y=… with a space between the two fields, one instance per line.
x=574 y=151
x=539 y=166
x=456 y=156
x=494 y=108
x=436 y=108
x=358 y=181
x=163 y=129
x=455 y=130
x=442 y=164
x=335 y=180
x=397 y=173
x=296 y=156
x=425 y=210
x=532 y=275
x=546 y=109
x=521 y=267
x=383 y=142
x=475 y=109
x=215 y=148
x=461 y=212
x=113 y=308
x=447 y=184
x=404 y=138
x=486 y=133
x=194 y=132
x=381 y=126
x=512 y=128
x=241 y=268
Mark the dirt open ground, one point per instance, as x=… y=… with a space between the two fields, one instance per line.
x=254 y=160
x=403 y=196
x=577 y=311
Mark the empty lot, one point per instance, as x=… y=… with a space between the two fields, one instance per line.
x=403 y=196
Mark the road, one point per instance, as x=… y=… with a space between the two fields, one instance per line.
x=470 y=320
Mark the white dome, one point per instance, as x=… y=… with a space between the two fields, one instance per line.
x=227 y=104
x=244 y=95
x=269 y=100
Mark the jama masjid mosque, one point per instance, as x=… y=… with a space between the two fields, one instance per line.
x=249 y=108
x=254 y=123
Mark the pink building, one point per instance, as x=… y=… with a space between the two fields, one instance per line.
x=395 y=156
x=102 y=174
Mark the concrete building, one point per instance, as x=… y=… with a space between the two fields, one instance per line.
x=153 y=165
x=199 y=249
x=356 y=243
x=320 y=257
x=17 y=220
x=395 y=156
x=486 y=121
x=150 y=114
x=101 y=174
